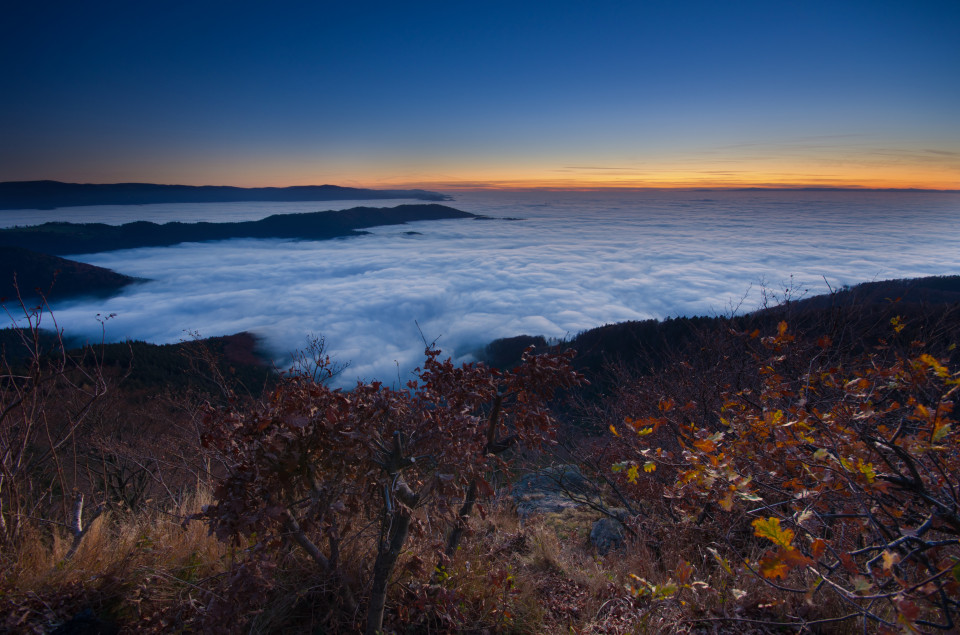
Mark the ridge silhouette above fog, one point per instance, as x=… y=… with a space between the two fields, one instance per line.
x=53 y=194
x=80 y=238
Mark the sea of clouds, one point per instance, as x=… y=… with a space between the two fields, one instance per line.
x=546 y=263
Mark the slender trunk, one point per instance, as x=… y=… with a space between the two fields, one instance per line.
x=77 y=527
x=453 y=539
x=330 y=566
x=383 y=568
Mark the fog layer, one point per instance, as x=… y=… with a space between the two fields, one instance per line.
x=574 y=261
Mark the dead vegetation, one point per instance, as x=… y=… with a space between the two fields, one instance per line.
x=695 y=463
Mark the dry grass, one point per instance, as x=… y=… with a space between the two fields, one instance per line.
x=129 y=568
x=147 y=573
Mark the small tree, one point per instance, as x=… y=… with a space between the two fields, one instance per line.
x=315 y=465
x=46 y=394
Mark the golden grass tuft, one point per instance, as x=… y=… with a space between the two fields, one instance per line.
x=128 y=566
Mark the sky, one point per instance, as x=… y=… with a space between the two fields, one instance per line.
x=457 y=95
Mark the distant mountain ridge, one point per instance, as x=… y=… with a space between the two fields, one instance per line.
x=54 y=194
x=81 y=238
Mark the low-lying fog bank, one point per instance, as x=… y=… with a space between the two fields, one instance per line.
x=575 y=261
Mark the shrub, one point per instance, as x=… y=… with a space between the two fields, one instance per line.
x=318 y=467
x=843 y=469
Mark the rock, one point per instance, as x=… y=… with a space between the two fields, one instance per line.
x=549 y=491
x=606 y=535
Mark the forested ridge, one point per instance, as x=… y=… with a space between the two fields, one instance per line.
x=54 y=194
x=79 y=238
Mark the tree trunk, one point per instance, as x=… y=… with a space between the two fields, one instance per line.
x=453 y=539
x=383 y=568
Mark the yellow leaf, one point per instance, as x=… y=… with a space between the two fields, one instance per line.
x=772 y=567
x=890 y=559
x=614 y=431
x=940 y=431
x=937 y=367
x=770 y=529
x=867 y=470
x=649 y=466
x=705 y=445
x=720 y=559
x=897 y=323
x=727 y=501
x=632 y=474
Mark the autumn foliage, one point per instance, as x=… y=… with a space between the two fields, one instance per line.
x=327 y=469
x=822 y=474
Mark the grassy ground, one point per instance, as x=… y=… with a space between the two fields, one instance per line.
x=149 y=572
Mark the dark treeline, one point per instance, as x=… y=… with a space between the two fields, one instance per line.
x=229 y=360
x=924 y=309
x=53 y=194
x=74 y=238
x=28 y=275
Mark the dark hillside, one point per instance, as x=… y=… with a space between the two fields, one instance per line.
x=76 y=238
x=54 y=277
x=860 y=317
x=53 y=194
x=234 y=360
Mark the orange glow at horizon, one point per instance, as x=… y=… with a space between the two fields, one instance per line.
x=276 y=176
x=897 y=168
x=797 y=178
x=901 y=169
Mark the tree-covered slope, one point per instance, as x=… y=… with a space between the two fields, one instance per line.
x=28 y=274
x=53 y=194
x=78 y=238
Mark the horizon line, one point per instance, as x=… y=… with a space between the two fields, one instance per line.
x=480 y=186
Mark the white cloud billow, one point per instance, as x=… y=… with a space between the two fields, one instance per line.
x=575 y=261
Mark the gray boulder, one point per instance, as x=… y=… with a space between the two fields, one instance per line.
x=606 y=535
x=551 y=490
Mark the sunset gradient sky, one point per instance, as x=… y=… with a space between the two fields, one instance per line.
x=454 y=94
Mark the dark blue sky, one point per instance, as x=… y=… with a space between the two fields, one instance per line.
x=453 y=93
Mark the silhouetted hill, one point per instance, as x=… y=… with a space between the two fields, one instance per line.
x=928 y=309
x=931 y=290
x=234 y=359
x=77 y=238
x=506 y=352
x=54 y=277
x=53 y=194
